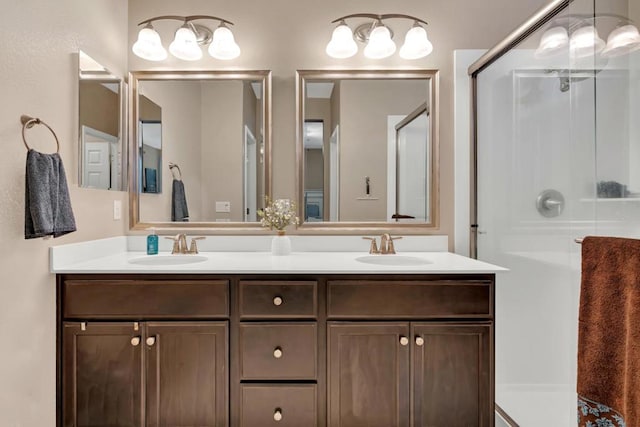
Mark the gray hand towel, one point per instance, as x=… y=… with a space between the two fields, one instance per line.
x=47 y=202
x=179 y=210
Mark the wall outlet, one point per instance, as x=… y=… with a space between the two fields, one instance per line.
x=223 y=207
x=117 y=210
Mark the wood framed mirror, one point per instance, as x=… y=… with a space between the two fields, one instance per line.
x=367 y=150
x=200 y=149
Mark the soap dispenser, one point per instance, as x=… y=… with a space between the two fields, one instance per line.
x=152 y=243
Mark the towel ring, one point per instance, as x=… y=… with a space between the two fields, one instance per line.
x=29 y=122
x=173 y=165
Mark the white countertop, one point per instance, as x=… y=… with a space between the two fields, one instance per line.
x=113 y=255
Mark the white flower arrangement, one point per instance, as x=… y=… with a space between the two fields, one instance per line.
x=278 y=214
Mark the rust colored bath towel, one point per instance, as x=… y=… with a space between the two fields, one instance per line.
x=609 y=333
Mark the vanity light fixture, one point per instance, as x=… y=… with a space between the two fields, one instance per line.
x=187 y=40
x=378 y=38
x=580 y=35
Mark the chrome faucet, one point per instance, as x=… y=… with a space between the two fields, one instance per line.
x=180 y=244
x=386 y=244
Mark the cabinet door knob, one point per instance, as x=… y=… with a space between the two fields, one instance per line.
x=404 y=341
x=277 y=415
x=277 y=353
x=277 y=301
x=419 y=341
x=135 y=341
x=151 y=341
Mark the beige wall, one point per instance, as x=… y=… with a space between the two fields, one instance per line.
x=99 y=107
x=364 y=107
x=268 y=44
x=39 y=42
x=181 y=139
x=222 y=148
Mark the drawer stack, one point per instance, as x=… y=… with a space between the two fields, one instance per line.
x=278 y=338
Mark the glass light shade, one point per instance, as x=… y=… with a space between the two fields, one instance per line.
x=553 y=41
x=585 y=41
x=380 y=44
x=148 y=46
x=624 y=39
x=224 y=46
x=185 y=46
x=342 y=44
x=416 y=44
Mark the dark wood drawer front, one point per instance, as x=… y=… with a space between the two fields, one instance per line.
x=278 y=299
x=409 y=299
x=278 y=405
x=283 y=351
x=146 y=299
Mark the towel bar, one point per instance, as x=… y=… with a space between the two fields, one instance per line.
x=28 y=122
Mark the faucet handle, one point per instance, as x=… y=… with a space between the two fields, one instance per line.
x=390 y=247
x=373 y=249
x=176 y=243
x=193 y=248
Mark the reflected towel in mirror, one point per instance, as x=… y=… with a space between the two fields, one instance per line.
x=179 y=210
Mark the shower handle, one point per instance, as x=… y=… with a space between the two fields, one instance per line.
x=550 y=203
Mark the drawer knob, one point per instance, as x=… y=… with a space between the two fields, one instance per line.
x=277 y=415
x=277 y=353
x=135 y=341
x=419 y=341
x=277 y=301
x=151 y=341
x=404 y=341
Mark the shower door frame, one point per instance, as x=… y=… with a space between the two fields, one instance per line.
x=534 y=23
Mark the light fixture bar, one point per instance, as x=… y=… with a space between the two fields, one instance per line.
x=378 y=37
x=184 y=18
x=380 y=17
x=187 y=40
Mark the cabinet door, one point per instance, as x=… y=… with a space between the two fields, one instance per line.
x=451 y=373
x=102 y=375
x=368 y=369
x=187 y=374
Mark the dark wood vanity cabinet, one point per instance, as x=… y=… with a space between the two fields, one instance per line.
x=433 y=368
x=281 y=350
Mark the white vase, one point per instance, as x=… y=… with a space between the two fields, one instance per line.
x=281 y=244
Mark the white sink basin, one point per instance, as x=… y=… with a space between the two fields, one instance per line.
x=168 y=259
x=403 y=260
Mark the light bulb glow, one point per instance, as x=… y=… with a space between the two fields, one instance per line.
x=149 y=46
x=223 y=46
x=380 y=44
x=622 y=40
x=585 y=41
x=553 y=41
x=342 y=44
x=416 y=44
x=185 y=46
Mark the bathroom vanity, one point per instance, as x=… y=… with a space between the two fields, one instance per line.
x=339 y=344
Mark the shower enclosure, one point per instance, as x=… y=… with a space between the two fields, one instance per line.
x=556 y=156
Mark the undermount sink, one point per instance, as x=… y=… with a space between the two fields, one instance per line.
x=168 y=259
x=403 y=260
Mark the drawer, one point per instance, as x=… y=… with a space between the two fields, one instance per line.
x=409 y=299
x=278 y=299
x=283 y=351
x=145 y=299
x=291 y=405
